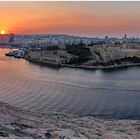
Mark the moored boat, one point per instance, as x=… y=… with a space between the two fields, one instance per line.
x=16 y=53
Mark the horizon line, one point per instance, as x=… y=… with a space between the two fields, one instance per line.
x=74 y=35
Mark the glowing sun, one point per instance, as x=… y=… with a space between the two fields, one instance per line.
x=2 y=32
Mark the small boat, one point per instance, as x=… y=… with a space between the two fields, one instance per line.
x=16 y=53
x=9 y=54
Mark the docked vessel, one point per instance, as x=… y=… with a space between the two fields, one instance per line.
x=16 y=53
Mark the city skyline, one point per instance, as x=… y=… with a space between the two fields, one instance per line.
x=73 y=18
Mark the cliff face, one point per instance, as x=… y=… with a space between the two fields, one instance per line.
x=16 y=123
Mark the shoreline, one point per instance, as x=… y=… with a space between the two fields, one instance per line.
x=18 y=123
x=100 y=67
x=103 y=67
x=85 y=67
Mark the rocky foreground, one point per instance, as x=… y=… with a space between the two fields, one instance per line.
x=17 y=123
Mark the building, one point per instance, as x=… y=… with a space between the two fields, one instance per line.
x=5 y=39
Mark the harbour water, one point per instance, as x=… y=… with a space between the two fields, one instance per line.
x=110 y=94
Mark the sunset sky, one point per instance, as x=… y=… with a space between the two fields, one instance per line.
x=77 y=18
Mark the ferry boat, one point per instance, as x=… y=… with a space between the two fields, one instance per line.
x=16 y=53
x=9 y=54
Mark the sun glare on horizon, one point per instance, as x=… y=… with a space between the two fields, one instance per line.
x=2 y=32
